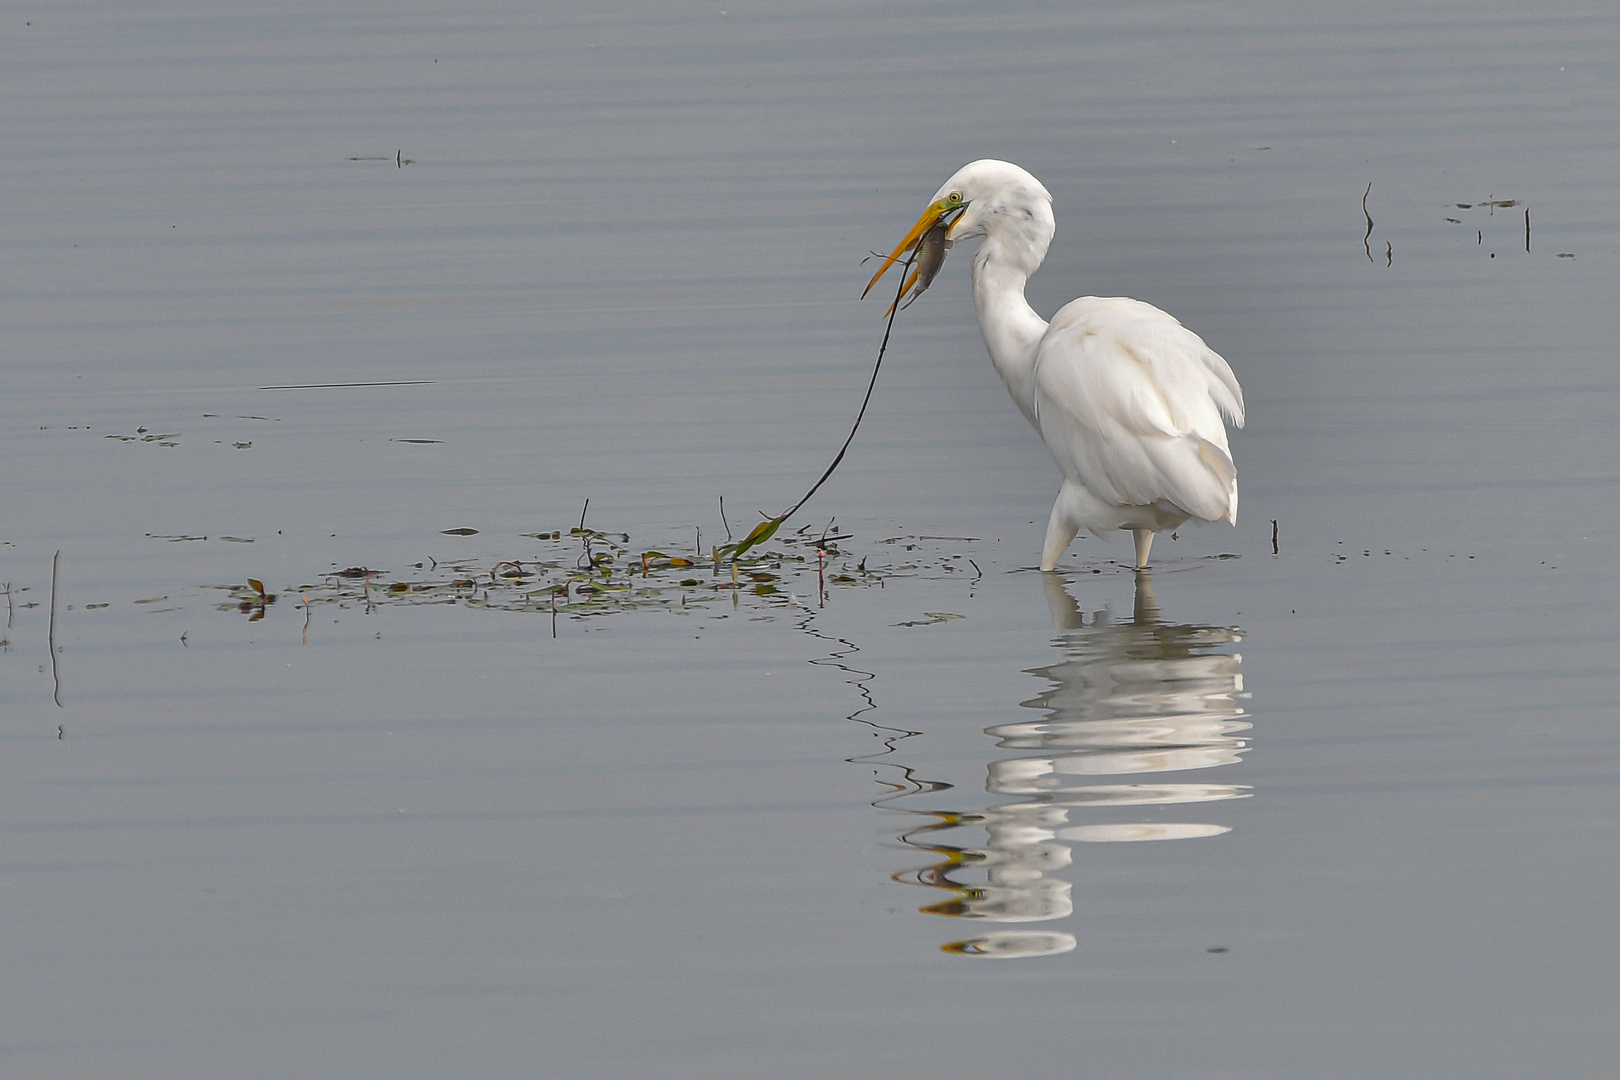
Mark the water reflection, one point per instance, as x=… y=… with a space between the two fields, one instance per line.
x=1125 y=698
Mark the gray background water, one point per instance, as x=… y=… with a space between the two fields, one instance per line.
x=622 y=264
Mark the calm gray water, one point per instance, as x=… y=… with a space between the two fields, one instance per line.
x=291 y=291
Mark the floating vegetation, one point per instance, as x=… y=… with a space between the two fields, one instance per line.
x=587 y=573
x=934 y=618
x=143 y=435
x=1491 y=205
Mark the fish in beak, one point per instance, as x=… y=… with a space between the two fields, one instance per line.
x=926 y=243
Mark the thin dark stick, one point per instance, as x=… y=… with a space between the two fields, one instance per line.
x=1366 y=240
x=767 y=528
x=882 y=348
x=1527 y=228
x=50 y=633
x=586 y=507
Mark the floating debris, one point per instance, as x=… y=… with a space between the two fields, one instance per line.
x=602 y=575
x=399 y=159
x=934 y=618
x=142 y=435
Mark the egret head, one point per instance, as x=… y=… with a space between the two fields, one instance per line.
x=946 y=205
x=982 y=196
x=990 y=190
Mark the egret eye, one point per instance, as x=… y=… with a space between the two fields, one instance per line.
x=955 y=198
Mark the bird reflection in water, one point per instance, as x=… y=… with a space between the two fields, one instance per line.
x=1125 y=699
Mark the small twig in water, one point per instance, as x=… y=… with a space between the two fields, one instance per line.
x=50 y=633
x=1365 y=240
x=767 y=528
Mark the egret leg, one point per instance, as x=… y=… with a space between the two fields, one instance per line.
x=1060 y=530
x=1144 y=541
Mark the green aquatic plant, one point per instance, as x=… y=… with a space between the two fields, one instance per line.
x=933 y=255
x=586 y=574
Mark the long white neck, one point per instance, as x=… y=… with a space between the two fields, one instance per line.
x=1011 y=328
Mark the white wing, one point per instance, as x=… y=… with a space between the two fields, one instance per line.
x=1130 y=403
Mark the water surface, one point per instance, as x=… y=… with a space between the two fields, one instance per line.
x=294 y=291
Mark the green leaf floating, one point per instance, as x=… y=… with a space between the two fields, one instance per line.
x=760 y=533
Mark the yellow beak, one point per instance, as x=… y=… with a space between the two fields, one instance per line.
x=924 y=223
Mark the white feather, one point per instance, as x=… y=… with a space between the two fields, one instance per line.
x=1132 y=405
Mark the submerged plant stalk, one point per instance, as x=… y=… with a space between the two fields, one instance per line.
x=767 y=528
x=50 y=634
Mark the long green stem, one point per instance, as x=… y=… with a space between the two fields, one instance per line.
x=767 y=528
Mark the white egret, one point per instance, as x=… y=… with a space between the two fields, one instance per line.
x=1129 y=402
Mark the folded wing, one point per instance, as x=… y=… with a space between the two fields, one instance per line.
x=1131 y=404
